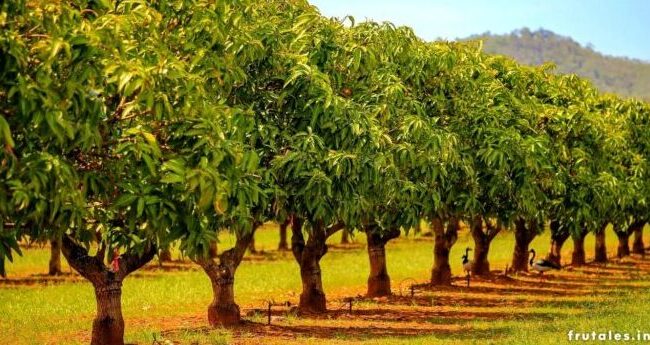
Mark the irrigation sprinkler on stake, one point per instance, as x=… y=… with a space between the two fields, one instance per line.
x=349 y=301
x=271 y=304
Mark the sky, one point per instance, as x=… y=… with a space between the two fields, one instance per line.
x=613 y=27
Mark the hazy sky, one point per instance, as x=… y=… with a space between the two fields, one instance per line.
x=614 y=27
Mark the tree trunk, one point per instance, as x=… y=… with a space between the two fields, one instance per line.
x=524 y=234
x=108 y=325
x=55 y=257
x=378 y=280
x=308 y=255
x=558 y=237
x=443 y=241
x=223 y=311
x=600 y=249
x=623 y=249
x=482 y=240
x=578 y=257
x=638 y=247
x=251 y=246
x=312 y=298
x=213 y=250
x=284 y=246
x=165 y=255
x=345 y=237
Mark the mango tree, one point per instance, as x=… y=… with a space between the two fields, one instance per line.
x=326 y=159
x=575 y=137
x=636 y=116
x=82 y=102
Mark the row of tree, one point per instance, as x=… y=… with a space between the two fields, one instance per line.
x=131 y=125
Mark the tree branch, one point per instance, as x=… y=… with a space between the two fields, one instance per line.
x=334 y=229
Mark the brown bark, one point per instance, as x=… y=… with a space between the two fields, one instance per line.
x=251 y=246
x=482 y=240
x=213 y=250
x=223 y=311
x=525 y=232
x=378 y=280
x=600 y=249
x=578 y=257
x=345 y=237
x=165 y=255
x=558 y=237
x=443 y=241
x=108 y=325
x=637 y=246
x=283 y=245
x=308 y=255
x=55 y=257
x=623 y=248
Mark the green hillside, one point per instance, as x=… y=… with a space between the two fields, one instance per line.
x=620 y=75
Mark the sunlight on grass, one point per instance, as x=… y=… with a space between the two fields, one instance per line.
x=155 y=301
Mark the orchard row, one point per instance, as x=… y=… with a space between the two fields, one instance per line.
x=131 y=125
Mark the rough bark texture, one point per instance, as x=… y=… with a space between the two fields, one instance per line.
x=638 y=247
x=600 y=249
x=378 y=280
x=558 y=237
x=55 y=257
x=223 y=311
x=443 y=241
x=578 y=257
x=308 y=255
x=525 y=232
x=108 y=325
x=482 y=240
x=284 y=245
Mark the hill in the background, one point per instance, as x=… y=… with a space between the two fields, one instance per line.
x=622 y=76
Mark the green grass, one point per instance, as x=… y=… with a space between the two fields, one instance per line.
x=36 y=314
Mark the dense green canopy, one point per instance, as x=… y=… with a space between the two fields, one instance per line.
x=131 y=124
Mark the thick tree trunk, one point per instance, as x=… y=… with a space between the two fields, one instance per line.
x=345 y=237
x=378 y=280
x=308 y=255
x=108 y=325
x=443 y=241
x=623 y=249
x=223 y=311
x=578 y=257
x=600 y=249
x=312 y=298
x=284 y=246
x=524 y=234
x=55 y=257
x=558 y=237
x=638 y=247
x=482 y=240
